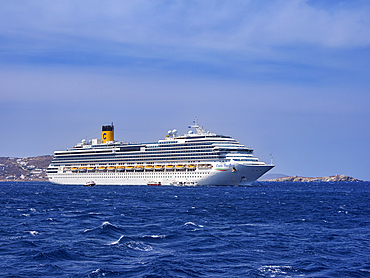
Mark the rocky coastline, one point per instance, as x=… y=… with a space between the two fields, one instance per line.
x=335 y=178
x=24 y=168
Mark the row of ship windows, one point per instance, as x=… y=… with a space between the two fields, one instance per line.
x=173 y=145
x=92 y=163
x=137 y=158
x=201 y=152
x=177 y=147
x=135 y=175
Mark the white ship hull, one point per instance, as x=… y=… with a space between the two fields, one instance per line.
x=233 y=175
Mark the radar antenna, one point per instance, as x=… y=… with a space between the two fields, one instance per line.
x=199 y=129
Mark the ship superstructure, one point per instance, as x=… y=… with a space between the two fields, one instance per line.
x=196 y=158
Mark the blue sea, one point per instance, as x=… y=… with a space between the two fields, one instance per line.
x=267 y=230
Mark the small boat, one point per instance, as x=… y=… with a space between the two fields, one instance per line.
x=89 y=183
x=177 y=183
x=191 y=183
x=154 y=183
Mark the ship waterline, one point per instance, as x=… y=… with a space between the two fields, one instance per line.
x=194 y=159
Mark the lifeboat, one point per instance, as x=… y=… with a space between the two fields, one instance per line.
x=90 y=169
x=149 y=167
x=120 y=168
x=111 y=168
x=129 y=168
x=67 y=169
x=82 y=169
x=180 y=167
x=139 y=168
x=191 y=166
x=170 y=167
x=74 y=169
x=102 y=168
x=158 y=167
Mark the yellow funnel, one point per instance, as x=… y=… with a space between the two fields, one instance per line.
x=107 y=133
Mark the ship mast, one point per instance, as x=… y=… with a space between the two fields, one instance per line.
x=199 y=129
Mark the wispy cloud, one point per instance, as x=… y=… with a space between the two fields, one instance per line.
x=244 y=39
x=226 y=25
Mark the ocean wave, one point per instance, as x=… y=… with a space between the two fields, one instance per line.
x=59 y=254
x=274 y=270
x=33 y=233
x=122 y=239
x=154 y=236
x=143 y=232
x=193 y=224
x=101 y=272
x=139 y=246
x=105 y=226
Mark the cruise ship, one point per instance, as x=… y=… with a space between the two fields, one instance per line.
x=197 y=158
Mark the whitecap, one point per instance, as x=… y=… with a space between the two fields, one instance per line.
x=117 y=241
x=106 y=223
x=154 y=236
x=97 y=273
x=139 y=246
x=275 y=269
x=193 y=224
x=102 y=226
x=33 y=233
x=252 y=224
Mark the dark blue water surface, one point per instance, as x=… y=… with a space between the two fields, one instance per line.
x=270 y=230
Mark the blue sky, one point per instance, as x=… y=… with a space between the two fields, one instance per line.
x=284 y=77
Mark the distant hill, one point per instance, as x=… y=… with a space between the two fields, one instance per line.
x=24 y=168
x=336 y=178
